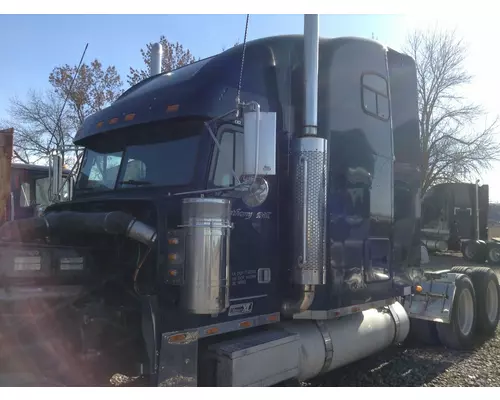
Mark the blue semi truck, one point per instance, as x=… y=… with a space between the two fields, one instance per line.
x=214 y=242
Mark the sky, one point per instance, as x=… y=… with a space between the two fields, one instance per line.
x=32 y=45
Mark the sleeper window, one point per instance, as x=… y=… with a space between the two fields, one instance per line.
x=375 y=96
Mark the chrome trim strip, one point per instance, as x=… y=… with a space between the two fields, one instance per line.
x=226 y=327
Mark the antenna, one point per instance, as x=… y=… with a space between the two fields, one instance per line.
x=238 y=100
x=67 y=94
x=58 y=122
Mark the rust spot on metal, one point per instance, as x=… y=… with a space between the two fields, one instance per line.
x=183 y=337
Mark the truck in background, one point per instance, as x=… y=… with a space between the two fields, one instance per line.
x=455 y=217
x=210 y=243
x=450 y=216
x=27 y=189
x=31 y=189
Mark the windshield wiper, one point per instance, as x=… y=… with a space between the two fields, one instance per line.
x=85 y=189
x=134 y=182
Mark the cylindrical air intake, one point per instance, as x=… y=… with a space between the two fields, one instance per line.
x=65 y=223
x=330 y=344
x=310 y=161
x=207 y=225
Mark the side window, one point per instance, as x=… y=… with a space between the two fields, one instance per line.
x=42 y=187
x=229 y=158
x=135 y=170
x=375 y=96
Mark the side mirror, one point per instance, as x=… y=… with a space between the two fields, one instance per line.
x=71 y=186
x=259 y=142
x=56 y=175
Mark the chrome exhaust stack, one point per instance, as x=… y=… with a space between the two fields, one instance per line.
x=156 y=58
x=310 y=161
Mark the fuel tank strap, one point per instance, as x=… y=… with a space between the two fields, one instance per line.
x=327 y=340
x=397 y=322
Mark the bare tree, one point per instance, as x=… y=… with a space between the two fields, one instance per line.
x=37 y=127
x=43 y=125
x=174 y=56
x=453 y=148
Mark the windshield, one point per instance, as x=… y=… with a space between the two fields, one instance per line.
x=166 y=159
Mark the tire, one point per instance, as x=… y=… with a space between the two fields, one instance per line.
x=459 y=334
x=487 y=299
x=467 y=251
x=493 y=255
x=461 y=270
x=423 y=331
x=482 y=253
x=475 y=251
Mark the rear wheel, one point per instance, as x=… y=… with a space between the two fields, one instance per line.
x=494 y=254
x=467 y=251
x=459 y=333
x=488 y=299
x=475 y=250
x=461 y=270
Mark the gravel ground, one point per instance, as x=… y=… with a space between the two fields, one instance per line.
x=418 y=365
x=411 y=365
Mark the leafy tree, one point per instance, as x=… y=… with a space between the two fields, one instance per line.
x=43 y=125
x=94 y=88
x=174 y=56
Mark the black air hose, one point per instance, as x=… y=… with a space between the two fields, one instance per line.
x=70 y=222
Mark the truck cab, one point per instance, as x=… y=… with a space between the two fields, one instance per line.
x=450 y=214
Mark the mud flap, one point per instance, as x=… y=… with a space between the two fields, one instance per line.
x=435 y=301
x=179 y=359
